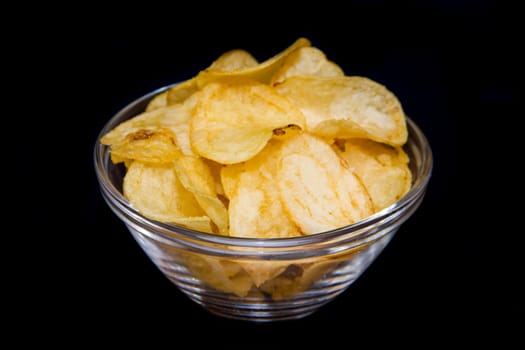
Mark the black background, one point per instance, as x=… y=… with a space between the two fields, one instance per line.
x=453 y=271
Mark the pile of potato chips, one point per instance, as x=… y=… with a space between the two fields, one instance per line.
x=286 y=147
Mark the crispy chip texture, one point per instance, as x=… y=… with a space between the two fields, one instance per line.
x=306 y=61
x=196 y=177
x=159 y=101
x=155 y=191
x=261 y=72
x=317 y=188
x=254 y=197
x=149 y=146
x=235 y=118
x=176 y=118
x=347 y=106
x=382 y=168
x=233 y=60
x=180 y=92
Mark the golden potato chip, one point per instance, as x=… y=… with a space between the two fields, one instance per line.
x=261 y=72
x=156 y=192
x=306 y=61
x=144 y=121
x=196 y=177
x=382 y=168
x=233 y=60
x=349 y=106
x=234 y=119
x=255 y=198
x=318 y=191
x=175 y=118
x=150 y=146
x=159 y=101
x=263 y=270
x=230 y=175
x=215 y=170
x=229 y=61
x=223 y=275
x=296 y=278
x=180 y=92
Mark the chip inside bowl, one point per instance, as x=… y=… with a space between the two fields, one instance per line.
x=264 y=151
x=283 y=147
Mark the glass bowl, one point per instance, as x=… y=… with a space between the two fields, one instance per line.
x=261 y=280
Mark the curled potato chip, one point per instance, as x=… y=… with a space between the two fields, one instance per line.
x=382 y=168
x=196 y=177
x=150 y=146
x=348 y=106
x=144 y=121
x=215 y=170
x=318 y=191
x=175 y=118
x=230 y=61
x=159 y=101
x=170 y=203
x=230 y=175
x=306 y=61
x=261 y=72
x=180 y=92
x=221 y=274
x=234 y=119
x=233 y=60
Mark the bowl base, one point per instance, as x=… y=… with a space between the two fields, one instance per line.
x=269 y=314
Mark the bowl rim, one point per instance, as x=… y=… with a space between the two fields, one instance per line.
x=109 y=190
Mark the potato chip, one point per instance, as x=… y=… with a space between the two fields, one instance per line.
x=296 y=278
x=255 y=198
x=159 y=101
x=234 y=119
x=306 y=61
x=197 y=178
x=382 y=168
x=170 y=117
x=263 y=270
x=233 y=60
x=261 y=72
x=229 y=61
x=180 y=92
x=144 y=121
x=345 y=107
x=150 y=146
x=230 y=176
x=156 y=192
x=318 y=191
x=215 y=170
x=177 y=119
x=221 y=274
